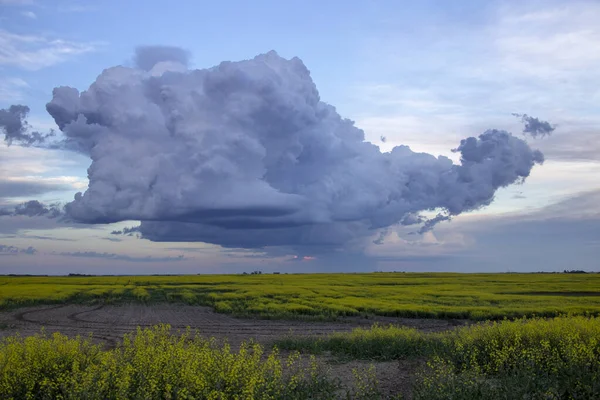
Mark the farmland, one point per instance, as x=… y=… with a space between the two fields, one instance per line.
x=525 y=359
x=327 y=296
x=287 y=336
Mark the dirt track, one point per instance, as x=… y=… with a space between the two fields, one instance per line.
x=108 y=324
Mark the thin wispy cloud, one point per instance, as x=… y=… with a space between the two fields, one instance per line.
x=77 y=8
x=29 y=14
x=18 y=161
x=10 y=187
x=42 y=237
x=112 y=239
x=34 y=52
x=552 y=42
x=12 y=89
x=16 y=2
x=538 y=58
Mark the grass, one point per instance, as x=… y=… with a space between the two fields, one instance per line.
x=328 y=296
x=536 y=358
x=380 y=343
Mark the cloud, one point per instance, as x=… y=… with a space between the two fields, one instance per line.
x=126 y=231
x=13 y=250
x=430 y=223
x=35 y=215
x=147 y=57
x=245 y=154
x=566 y=37
x=41 y=237
x=33 y=208
x=11 y=89
x=16 y=2
x=18 y=161
x=584 y=205
x=541 y=57
x=301 y=258
x=75 y=7
x=11 y=224
x=16 y=129
x=33 y=52
x=535 y=127
x=29 y=14
x=112 y=239
x=553 y=238
x=27 y=188
x=120 y=257
x=576 y=141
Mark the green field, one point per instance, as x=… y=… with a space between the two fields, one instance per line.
x=327 y=296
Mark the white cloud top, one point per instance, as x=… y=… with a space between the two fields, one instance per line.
x=246 y=154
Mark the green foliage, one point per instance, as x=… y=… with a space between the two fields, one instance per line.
x=380 y=343
x=536 y=358
x=526 y=359
x=365 y=384
x=328 y=296
x=154 y=364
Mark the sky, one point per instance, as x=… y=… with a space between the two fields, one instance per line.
x=228 y=137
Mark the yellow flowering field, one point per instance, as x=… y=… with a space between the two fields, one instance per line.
x=553 y=359
x=154 y=363
x=327 y=296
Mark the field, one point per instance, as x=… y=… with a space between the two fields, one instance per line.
x=370 y=336
x=524 y=359
x=327 y=296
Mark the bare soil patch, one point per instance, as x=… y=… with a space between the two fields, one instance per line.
x=108 y=323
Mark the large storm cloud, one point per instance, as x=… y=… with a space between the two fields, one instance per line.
x=245 y=154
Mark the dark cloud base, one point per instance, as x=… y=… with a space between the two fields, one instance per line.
x=246 y=155
x=120 y=257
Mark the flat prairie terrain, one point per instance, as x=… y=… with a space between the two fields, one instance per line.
x=331 y=316
x=107 y=324
x=327 y=296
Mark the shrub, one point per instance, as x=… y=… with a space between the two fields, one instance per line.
x=154 y=364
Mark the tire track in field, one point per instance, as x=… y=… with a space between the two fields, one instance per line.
x=75 y=316
x=111 y=340
x=208 y=327
x=21 y=316
x=108 y=323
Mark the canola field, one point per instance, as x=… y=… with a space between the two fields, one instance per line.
x=526 y=356
x=551 y=359
x=556 y=358
x=328 y=296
